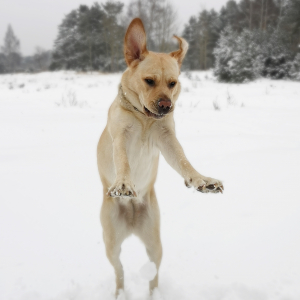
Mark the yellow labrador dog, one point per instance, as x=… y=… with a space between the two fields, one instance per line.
x=141 y=125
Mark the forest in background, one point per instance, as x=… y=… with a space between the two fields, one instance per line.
x=241 y=41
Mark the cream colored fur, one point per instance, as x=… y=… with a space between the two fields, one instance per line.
x=130 y=145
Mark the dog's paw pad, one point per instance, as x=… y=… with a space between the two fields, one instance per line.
x=211 y=187
x=214 y=186
x=121 y=190
x=204 y=184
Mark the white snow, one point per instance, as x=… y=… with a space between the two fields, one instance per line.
x=122 y=295
x=148 y=271
x=242 y=245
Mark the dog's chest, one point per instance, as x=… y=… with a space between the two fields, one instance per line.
x=142 y=155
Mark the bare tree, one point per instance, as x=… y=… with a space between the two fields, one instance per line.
x=160 y=21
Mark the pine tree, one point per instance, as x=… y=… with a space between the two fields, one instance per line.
x=66 y=46
x=202 y=34
x=277 y=57
x=191 y=34
x=11 y=51
x=231 y=14
x=224 y=53
x=238 y=56
x=90 y=38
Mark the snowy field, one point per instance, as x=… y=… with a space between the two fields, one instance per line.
x=242 y=245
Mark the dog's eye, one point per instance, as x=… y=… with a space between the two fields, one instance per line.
x=149 y=81
x=172 y=84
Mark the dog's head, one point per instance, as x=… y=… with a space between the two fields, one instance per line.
x=151 y=79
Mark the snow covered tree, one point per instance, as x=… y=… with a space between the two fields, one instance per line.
x=245 y=56
x=237 y=56
x=11 y=51
x=224 y=53
x=67 y=44
x=277 y=57
x=203 y=31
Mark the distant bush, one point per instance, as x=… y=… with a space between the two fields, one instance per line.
x=276 y=67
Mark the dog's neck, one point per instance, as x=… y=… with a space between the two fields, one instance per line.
x=125 y=102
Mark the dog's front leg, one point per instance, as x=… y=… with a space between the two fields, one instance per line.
x=174 y=155
x=122 y=187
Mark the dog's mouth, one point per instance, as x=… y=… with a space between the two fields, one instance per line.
x=151 y=114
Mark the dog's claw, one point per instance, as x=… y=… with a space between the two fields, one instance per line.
x=202 y=189
x=218 y=190
x=187 y=185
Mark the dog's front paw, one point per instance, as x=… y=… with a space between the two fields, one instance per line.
x=204 y=184
x=122 y=188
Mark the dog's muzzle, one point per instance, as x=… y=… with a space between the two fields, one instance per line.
x=164 y=106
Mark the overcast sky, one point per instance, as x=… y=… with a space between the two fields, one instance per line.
x=35 y=22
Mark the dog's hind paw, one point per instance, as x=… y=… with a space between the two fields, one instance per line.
x=121 y=188
x=156 y=295
x=120 y=295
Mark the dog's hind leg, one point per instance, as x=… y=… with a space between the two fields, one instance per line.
x=149 y=233
x=154 y=251
x=113 y=236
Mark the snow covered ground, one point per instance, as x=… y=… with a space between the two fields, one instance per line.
x=242 y=245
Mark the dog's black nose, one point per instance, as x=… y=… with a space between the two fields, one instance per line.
x=164 y=105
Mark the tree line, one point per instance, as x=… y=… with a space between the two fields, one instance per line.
x=91 y=37
x=12 y=61
x=204 y=30
x=266 y=46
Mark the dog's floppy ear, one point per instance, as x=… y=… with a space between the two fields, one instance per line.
x=135 y=42
x=183 y=48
